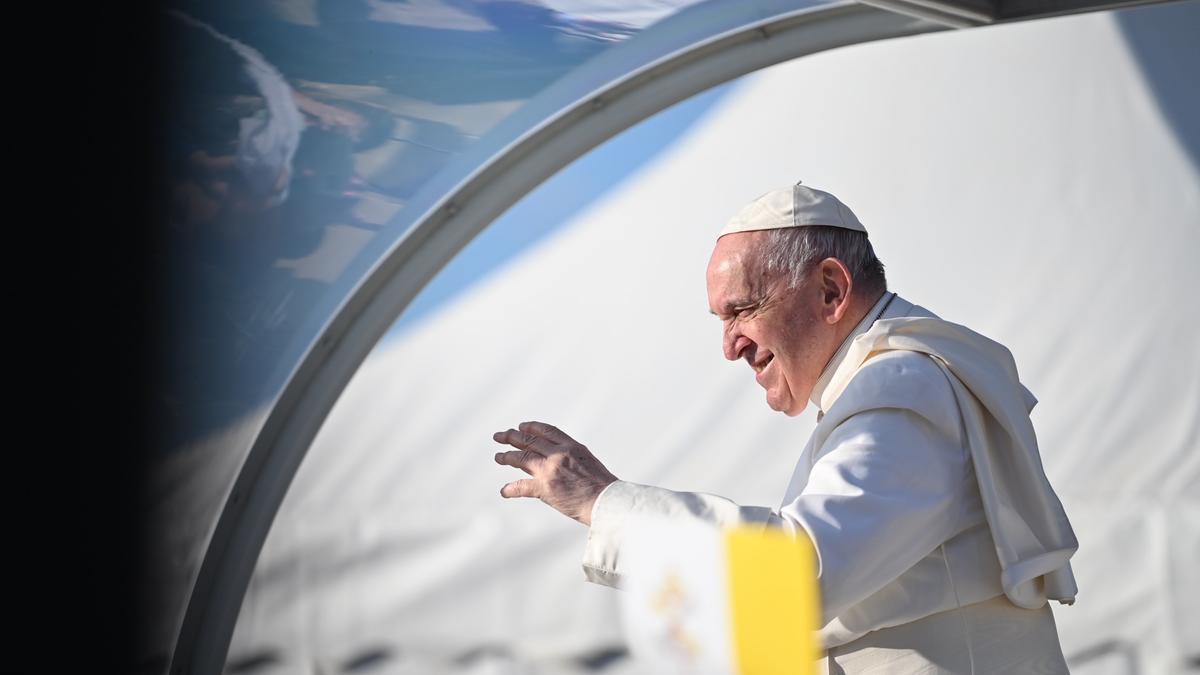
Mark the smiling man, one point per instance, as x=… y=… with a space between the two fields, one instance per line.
x=939 y=539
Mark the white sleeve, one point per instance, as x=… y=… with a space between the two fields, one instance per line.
x=887 y=487
x=622 y=502
x=885 y=490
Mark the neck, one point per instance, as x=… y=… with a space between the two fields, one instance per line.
x=857 y=312
x=859 y=306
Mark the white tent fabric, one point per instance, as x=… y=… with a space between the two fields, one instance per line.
x=1018 y=179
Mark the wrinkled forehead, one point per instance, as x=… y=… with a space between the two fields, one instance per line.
x=737 y=254
x=735 y=270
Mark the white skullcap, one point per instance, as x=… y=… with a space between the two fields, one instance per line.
x=796 y=206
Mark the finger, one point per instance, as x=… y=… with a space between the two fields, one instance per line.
x=525 y=460
x=547 y=431
x=525 y=487
x=524 y=441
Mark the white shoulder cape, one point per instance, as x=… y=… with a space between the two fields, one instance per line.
x=1033 y=537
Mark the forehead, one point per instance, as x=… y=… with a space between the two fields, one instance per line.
x=732 y=254
x=737 y=249
x=734 y=273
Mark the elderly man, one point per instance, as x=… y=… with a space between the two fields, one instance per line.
x=938 y=537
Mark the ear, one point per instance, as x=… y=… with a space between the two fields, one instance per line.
x=836 y=287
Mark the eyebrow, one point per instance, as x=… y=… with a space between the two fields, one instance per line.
x=728 y=307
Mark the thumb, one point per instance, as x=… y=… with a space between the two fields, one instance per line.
x=526 y=487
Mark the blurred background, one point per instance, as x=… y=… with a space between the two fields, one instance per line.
x=1038 y=181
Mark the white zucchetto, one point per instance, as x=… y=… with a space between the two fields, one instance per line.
x=797 y=206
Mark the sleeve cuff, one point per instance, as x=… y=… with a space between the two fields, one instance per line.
x=609 y=513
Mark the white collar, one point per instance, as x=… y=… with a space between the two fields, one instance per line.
x=876 y=312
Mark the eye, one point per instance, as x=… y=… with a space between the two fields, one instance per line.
x=741 y=312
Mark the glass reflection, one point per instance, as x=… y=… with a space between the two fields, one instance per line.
x=295 y=134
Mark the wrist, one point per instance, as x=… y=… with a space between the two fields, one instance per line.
x=590 y=510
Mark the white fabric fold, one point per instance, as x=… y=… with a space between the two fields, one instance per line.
x=1033 y=537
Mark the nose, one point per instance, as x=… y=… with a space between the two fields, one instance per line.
x=734 y=343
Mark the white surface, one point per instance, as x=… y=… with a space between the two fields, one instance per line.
x=1017 y=179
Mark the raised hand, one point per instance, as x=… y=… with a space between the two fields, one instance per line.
x=565 y=474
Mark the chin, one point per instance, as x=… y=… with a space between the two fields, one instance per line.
x=796 y=410
x=788 y=407
x=780 y=406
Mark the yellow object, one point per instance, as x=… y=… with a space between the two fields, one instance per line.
x=774 y=604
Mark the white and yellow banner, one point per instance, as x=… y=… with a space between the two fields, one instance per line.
x=703 y=600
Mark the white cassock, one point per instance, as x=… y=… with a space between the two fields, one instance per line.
x=938 y=537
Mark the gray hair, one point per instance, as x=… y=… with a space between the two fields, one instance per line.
x=792 y=251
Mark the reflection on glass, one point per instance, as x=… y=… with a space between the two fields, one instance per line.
x=296 y=133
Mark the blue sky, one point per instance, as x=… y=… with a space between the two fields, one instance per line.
x=552 y=204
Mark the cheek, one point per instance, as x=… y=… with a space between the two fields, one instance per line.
x=793 y=341
x=796 y=350
x=756 y=333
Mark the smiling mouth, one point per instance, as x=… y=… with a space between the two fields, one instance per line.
x=762 y=365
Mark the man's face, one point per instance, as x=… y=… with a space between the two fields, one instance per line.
x=777 y=330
